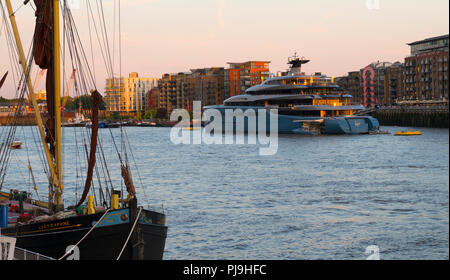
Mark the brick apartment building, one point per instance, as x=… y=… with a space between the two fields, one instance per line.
x=243 y=75
x=426 y=70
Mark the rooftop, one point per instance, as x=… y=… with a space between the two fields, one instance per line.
x=234 y=65
x=261 y=61
x=429 y=40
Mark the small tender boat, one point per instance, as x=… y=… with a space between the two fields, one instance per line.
x=407 y=133
x=78 y=121
x=146 y=124
x=104 y=125
x=16 y=145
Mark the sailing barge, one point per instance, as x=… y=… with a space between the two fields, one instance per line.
x=105 y=232
x=116 y=230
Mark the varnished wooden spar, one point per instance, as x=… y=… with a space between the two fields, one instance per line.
x=2 y=81
x=46 y=54
x=43 y=57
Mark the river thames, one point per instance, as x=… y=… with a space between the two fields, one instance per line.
x=319 y=197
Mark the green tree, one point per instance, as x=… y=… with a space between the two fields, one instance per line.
x=114 y=115
x=85 y=101
x=70 y=104
x=3 y=100
x=150 y=114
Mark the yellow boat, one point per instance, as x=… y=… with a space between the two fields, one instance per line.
x=191 y=128
x=407 y=133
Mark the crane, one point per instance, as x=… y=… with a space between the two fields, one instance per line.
x=66 y=95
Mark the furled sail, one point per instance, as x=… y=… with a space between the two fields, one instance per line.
x=43 y=57
x=96 y=100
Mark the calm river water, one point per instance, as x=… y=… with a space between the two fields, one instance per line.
x=321 y=197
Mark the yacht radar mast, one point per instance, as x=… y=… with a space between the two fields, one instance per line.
x=296 y=64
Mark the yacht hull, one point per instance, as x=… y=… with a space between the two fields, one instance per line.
x=288 y=124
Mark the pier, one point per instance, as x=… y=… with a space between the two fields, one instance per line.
x=415 y=117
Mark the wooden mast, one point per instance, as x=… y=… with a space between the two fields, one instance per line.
x=53 y=169
x=56 y=60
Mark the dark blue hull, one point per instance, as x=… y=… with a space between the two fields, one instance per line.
x=104 y=125
x=288 y=124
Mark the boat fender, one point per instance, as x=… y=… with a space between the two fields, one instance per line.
x=90 y=206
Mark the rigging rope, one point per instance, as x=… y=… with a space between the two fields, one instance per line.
x=5 y=150
x=84 y=81
x=86 y=235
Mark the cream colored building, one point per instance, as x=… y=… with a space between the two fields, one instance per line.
x=41 y=95
x=141 y=97
x=128 y=94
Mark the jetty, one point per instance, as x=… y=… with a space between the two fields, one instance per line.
x=414 y=117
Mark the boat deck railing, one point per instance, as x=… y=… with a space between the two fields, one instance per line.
x=25 y=255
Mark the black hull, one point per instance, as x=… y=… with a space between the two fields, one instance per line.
x=103 y=243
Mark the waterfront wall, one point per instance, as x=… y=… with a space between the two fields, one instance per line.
x=22 y=120
x=435 y=118
x=415 y=117
x=28 y=118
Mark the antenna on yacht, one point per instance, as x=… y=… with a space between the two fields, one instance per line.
x=296 y=64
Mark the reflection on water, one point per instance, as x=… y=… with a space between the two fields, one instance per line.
x=325 y=197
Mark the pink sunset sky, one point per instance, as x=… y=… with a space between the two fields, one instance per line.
x=165 y=36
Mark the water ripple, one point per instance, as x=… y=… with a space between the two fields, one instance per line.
x=325 y=197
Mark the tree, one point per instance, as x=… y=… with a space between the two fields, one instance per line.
x=114 y=115
x=150 y=114
x=70 y=104
x=73 y=104
x=3 y=100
